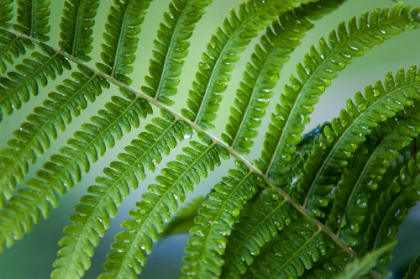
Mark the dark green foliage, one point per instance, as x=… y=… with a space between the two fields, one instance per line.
x=6 y=7
x=414 y=269
x=327 y=204
x=33 y=18
x=11 y=47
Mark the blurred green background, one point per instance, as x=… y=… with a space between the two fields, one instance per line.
x=33 y=256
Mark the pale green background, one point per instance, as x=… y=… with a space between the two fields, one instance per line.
x=32 y=257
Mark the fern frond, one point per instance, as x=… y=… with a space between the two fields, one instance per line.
x=392 y=207
x=120 y=36
x=316 y=72
x=171 y=47
x=35 y=136
x=268 y=215
x=332 y=268
x=65 y=169
x=216 y=216
x=32 y=18
x=259 y=79
x=157 y=205
x=297 y=251
x=32 y=73
x=223 y=52
x=94 y=213
x=6 y=12
x=183 y=220
x=365 y=172
x=363 y=266
x=11 y=47
x=76 y=27
x=335 y=147
x=414 y=269
x=262 y=73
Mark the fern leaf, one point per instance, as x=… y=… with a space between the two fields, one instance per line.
x=64 y=170
x=121 y=30
x=76 y=27
x=335 y=147
x=392 y=207
x=94 y=213
x=365 y=172
x=207 y=245
x=361 y=267
x=259 y=79
x=6 y=12
x=316 y=73
x=35 y=136
x=32 y=18
x=11 y=47
x=297 y=252
x=414 y=269
x=18 y=86
x=223 y=52
x=331 y=268
x=268 y=215
x=157 y=205
x=171 y=47
x=184 y=219
x=262 y=73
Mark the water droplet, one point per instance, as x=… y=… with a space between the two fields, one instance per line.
x=235 y=212
x=362 y=200
x=204 y=66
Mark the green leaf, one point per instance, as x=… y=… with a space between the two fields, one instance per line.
x=65 y=169
x=333 y=150
x=392 y=207
x=32 y=18
x=301 y=247
x=157 y=206
x=318 y=69
x=223 y=52
x=76 y=27
x=94 y=213
x=11 y=47
x=363 y=175
x=260 y=77
x=121 y=37
x=414 y=269
x=6 y=12
x=31 y=74
x=267 y=216
x=171 y=47
x=34 y=137
x=363 y=266
x=216 y=216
